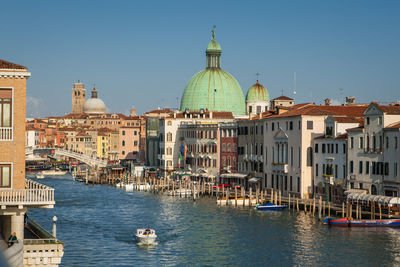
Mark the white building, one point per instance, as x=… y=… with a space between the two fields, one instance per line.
x=330 y=154
x=373 y=153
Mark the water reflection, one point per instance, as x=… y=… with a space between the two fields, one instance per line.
x=98 y=223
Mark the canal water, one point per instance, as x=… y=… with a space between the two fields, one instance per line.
x=97 y=224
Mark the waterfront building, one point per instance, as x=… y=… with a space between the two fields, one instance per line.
x=170 y=142
x=288 y=145
x=102 y=145
x=228 y=145
x=21 y=194
x=129 y=141
x=250 y=151
x=78 y=97
x=330 y=157
x=213 y=88
x=152 y=133
x=257 y=99
x=373 y=152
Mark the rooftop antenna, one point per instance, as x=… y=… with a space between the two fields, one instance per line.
x=294 y=81
x=282 y=91
x=257 y=74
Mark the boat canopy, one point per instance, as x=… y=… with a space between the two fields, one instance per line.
x=234 y=175
x=255 y=179
x=357 y=197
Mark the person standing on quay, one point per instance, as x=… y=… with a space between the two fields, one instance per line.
x=12 y=239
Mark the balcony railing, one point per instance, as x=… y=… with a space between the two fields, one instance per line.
x=280 y=167
x=6 y=133
x=34 y=194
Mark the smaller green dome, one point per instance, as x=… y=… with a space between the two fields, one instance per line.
x=213 y=46
x=257 y=93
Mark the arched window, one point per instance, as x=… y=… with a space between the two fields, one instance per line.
x=169 y=123
x=123 y=143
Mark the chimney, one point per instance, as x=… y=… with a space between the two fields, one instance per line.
x=327 y=102
x=350 y=100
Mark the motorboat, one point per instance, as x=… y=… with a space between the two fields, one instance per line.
x=39 y=175
x=146 y=236
x=56 y=172
x=350 y=222
x=270 y=206
x=128 y=187
x=181 y=192
x=239 y=201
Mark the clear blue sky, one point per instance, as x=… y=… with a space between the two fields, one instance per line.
x=142 y=53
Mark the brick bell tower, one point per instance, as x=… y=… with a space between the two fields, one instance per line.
x=78 y=97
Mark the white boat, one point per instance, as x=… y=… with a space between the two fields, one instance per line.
x=55 y=172
x=118 y=185
x=239 y=201
x=39 y=175
x=181 y=192
x=128 y=187
x=146 y=236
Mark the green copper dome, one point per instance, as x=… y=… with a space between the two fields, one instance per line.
x=213 y=46
x=257 y=93
x=213 y=88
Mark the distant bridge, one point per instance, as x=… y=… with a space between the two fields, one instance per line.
x=91 y=161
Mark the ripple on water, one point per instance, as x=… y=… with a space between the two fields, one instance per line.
x=97 y=224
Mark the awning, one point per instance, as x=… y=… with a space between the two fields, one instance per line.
x=375 y=198
x=254 y=180
x=233 y=175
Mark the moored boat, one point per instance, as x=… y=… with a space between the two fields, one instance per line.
x=350 y=222
x=146 y=236
x=39 y=175
x=239 y=200
x=271 y=206
x=56 y=172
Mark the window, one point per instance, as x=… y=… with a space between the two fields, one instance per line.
x=169 y=137
x=361 y=142
x=395 y=169
x=316 y=148
x=223 y=147
x=310 y=125
x=344 y=148
x=291 y=183
x=299 y=125
x=299 y=157
x=5 y=175
x=291 y=125
x=285 y=183
x=360 y=185
x=387 y=142
x=169 y=123
x=386 y=168
x=351 y=166
x=373 y=167
x=323 y=148
x=123 y=152
x=316 y=170
x=380 y=120
x=250 y=109
x=123 y=142
x=360 y=167
x=337 y=148
x=309 y=156
x=262 y=129
x=5 y=107
x=395 y=142
x=135 y=143
x=123 y=132
x=351 y=142
x=273 y=126
x=298 y=184
x=336 y=171
x=291 y=156
x=367 y=120
x=272 y=181
x=329 y=131
x=135 y=132
x=229 y=148
x=367 y=167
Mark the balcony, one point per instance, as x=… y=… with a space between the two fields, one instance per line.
x=280 y=167
x=373 y=150
x=6 y=133
x=34 y=195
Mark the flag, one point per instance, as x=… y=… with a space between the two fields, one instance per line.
x=179 y=161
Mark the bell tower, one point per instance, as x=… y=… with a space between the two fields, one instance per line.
x=78 y=97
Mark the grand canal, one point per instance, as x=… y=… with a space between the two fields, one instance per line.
x=97 y=225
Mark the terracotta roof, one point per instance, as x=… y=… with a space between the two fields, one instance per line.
x=75 y=116
x=282 y=98
x=395 y=125
x=342 y=136
x=82 y=134
x=392 y=110
x=348 y=119
x=9 y=65
x=316 y=110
